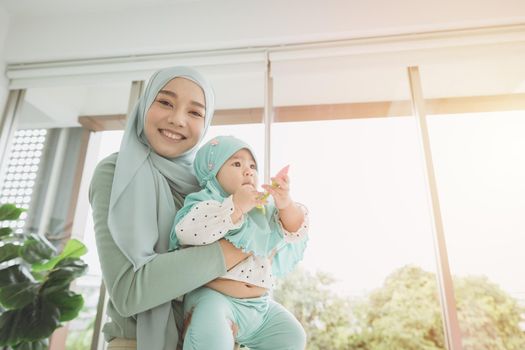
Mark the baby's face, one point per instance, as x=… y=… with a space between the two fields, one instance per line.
x=240 y=169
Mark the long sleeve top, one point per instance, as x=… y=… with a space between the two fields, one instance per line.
x=210 y=221
x=131 y=292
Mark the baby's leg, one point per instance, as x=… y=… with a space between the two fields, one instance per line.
x=211 y=321
x=280 y=331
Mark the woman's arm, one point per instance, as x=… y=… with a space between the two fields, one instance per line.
x=232 y=254
x=163 y=278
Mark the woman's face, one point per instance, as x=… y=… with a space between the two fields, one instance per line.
x=175 y=120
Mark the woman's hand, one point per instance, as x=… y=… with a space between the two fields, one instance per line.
x=232 y=254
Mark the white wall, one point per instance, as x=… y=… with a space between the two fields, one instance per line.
x=4 y=26
x=204 y=25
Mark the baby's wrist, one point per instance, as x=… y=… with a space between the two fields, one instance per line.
x=237 y=213
x=236 y=205
x=236 y=216
x=286 y=206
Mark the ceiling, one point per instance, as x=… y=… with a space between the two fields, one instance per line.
x=375 y=70
x=38 y=7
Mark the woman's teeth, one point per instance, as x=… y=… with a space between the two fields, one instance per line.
x=172 y=135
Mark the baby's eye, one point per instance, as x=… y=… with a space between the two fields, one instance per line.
x=237 y=164
x=253 y=166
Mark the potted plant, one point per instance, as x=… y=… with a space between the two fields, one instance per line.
x=34 y=285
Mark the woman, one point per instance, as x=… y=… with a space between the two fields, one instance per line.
x=135 y=195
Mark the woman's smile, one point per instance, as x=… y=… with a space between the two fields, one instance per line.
x=172 y=135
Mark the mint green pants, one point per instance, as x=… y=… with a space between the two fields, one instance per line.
x=263 y=323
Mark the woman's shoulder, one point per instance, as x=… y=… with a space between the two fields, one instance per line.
x=107 y=163
x=104 y=170
x=110 y=160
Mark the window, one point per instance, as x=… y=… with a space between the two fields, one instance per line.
x=368 y=275
x=22 y=171
x=480 y=167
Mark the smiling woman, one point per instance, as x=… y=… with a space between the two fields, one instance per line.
x=147 y=181
x=175 y=120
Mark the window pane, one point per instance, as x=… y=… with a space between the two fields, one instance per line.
x=362 y=180
x=21 y=173
x=81 y=328
x=477 y=144
x=480 y=167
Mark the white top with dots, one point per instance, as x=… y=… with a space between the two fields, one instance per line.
x=211 y=220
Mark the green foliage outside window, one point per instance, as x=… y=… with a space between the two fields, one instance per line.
x=402 y=314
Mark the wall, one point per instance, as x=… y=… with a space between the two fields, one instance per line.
x=4 y=26
x=204 y=25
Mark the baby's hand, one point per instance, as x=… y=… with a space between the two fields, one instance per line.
x=246 y=198
x=281 y=192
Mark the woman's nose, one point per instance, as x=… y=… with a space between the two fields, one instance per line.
x=176 y=117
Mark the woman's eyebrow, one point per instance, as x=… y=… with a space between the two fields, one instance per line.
x=174 y=95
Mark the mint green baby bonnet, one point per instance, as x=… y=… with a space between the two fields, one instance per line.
x=260 y=232
x=147 y=191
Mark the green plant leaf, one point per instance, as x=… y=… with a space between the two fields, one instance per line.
x=43 y=319
x=5 y=231
x=9 y=251
x=8 y=327
x=73 y=249
x=37 y=248
x=41 y=344
x=10 y=212
x=14 y=274
x=33 y=303
x=68 y=303
x=17 y=287
x=35 y=321
x=62 y=275
x=18 y=295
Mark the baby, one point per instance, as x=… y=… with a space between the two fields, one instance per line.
x=275 y=234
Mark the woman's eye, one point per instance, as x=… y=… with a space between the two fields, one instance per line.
x=165 y=103
x=196 y=114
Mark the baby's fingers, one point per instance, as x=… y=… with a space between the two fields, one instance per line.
x=269 y=188
x=261 y=202
x=281 y=183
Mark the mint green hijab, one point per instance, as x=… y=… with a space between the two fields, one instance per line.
x=147 y=191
